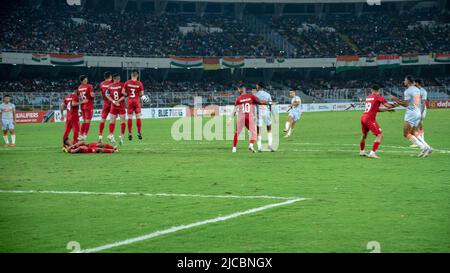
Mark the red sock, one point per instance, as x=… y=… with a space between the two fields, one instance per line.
x=139 y=125
x=102 y=126
x=112 y=126
x=235 y=139
x=130 y=125
x=375 y=146
x=82 y=129
x=122 y=128
x=86 y=128
x=362 y=145
x=107 y=146
x=108 y=151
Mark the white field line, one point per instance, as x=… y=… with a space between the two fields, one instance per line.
x=189 y=226
x=150 y=194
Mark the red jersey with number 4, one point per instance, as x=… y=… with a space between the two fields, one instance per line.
x=104 y=86
x=246 y=103
x=72 y=111
x=115 y=92
x=133 y=89
x=84 y=92
x=373 y=102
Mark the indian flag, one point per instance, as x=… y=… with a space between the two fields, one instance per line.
x=233 y=62
x=388 y=61
x=347 y=62
x=370 y=59
x=37 y=57
x=442 y=57
x=186 y=62
x=211 y=63
x=410 y=58
x=67 y=59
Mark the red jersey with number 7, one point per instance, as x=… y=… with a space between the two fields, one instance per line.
x=372 y=106
x=246 y=104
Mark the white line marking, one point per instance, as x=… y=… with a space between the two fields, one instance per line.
x=184 y=227
x=151 y=194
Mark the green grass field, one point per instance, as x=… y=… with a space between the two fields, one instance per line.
x=400 y=201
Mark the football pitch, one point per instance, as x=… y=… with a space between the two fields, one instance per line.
x=315 y=194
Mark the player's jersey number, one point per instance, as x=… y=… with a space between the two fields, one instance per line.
x=246 y=107
x=69 y=106
x=83 y=95
x=133 y=92
x=368 y=106
x=116 y=95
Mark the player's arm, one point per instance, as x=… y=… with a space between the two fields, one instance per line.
x=91 y=91
x=124 y=92
x=108 y=96
x=61 y=109
x=14 y=115
x=397 y=101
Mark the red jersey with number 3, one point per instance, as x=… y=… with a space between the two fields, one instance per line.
x=133 y=89
x=372 y=106
x=72 y=111
x=246 y=104
x=84 y=92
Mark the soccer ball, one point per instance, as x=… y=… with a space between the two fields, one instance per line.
x=145 y=99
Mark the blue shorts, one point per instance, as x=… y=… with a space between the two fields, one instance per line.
x=295 y=115
x=264 y=118
x=7 y=124
x=413 y=118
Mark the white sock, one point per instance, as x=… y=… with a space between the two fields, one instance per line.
x=251 y=145
x=6 y=139
x=269 y=139
x=420 y=138
x=287 y=125
x=414 y=140
x=13 y=139
x=372 y=153
x=259 y=143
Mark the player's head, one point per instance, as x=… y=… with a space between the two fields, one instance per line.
x=254 y=91
x=418 y=82
x=292 y=92
x=134 y=74
x=375 y=89
x=260 y=86
x=83 y=79
x=116 y=77
x=241 y=89
x=6 y=98
x=409 y=80
x=67 y=142
x=107 y=75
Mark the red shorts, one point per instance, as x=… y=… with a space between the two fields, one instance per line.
x=133 y=106
x=87 y=114
x=106 y=109
x=370 y=125
x=117 y=110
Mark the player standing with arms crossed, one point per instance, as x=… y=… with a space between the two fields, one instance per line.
x=134 y=89
x=8 y=117
x=104 y=86
x=86 y=92
x=71 y=104
x=295 y=113
x=369 y=122
x=413 y=116
x=115 y=95
x=263 y=116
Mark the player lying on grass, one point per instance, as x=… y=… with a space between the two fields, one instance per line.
x=413 y=116
x=244 y=107
x=294 y=113
x=369 y=122
x=87 y=148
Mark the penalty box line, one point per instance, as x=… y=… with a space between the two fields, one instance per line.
x=189 y=226
x=150 y=194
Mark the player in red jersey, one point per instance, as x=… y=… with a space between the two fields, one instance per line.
x=369 y=122
x=245 y=108
x=88 y=148
x=86 y=92
x=115 y=95
x=71 y=104
x=106 y=102
x=134 y=89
